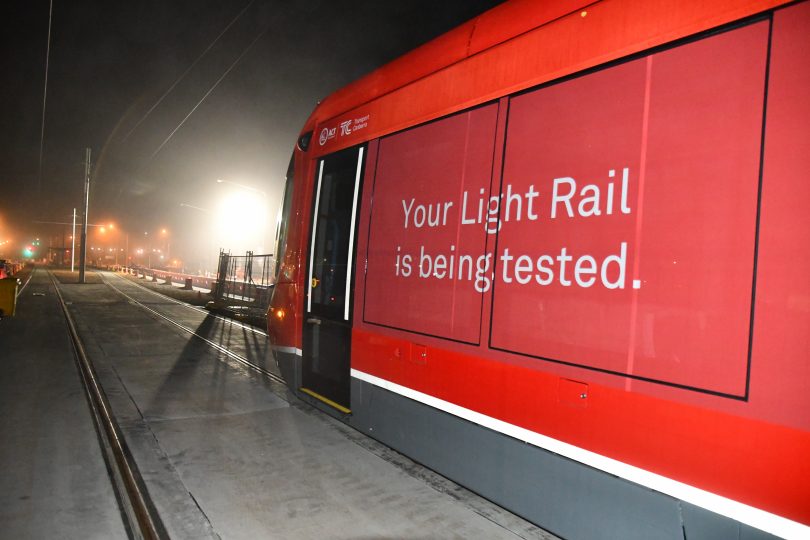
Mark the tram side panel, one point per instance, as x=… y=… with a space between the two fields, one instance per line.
x=780 y=368
x=619 y=254
x=284 y=315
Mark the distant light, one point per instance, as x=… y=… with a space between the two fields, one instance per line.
x=241 y=220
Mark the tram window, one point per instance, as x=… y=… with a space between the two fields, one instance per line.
x=641 y=260
x=330 y=250
x=425 y=261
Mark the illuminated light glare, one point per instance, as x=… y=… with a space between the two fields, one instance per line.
x=583 y=14
x=240 y=221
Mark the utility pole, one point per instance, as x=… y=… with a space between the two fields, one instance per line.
x=73 y=247
x=83 y=254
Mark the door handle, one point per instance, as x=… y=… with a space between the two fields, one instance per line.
x=314 y=321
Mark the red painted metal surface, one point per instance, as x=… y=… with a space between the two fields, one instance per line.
x=639 y=255
x=418 y=248
x=566 y=44
x=730 y=412
x=759 y=463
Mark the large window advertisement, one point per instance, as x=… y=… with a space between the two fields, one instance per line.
x=620 y=235
x=629 y=215
x=427 y=268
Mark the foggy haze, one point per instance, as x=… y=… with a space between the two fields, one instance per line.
x=110 y=63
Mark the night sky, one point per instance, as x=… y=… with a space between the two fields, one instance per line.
x=110 y=62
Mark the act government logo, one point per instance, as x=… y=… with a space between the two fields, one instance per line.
x=326 y=134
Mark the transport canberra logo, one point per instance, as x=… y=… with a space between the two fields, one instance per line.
x=568 y=201
x=345 y=128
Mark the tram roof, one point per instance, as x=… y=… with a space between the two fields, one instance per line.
x=516 y=17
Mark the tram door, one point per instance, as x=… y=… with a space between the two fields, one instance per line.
x=328 y=313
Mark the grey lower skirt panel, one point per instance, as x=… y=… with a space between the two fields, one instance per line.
x=563 y=496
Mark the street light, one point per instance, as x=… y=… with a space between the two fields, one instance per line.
x=74 y=236
x=149 y=253
x=243 y=186
x=206 y=210
x=165 y=234
x=242 y=206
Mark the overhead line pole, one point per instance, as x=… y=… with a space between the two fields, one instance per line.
x=83 y=254
x=73 y=247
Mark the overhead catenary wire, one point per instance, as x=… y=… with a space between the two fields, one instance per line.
x=44 y=98
x=188 y=69
x=225 y=74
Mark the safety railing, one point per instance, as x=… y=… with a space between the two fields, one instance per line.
x=244 y=280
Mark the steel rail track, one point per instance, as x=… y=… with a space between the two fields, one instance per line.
x=24 y=285
x=224 y=350
x=143 y=519
x=187 y=305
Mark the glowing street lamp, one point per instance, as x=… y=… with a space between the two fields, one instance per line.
x=243 y=186
x=206 y=210
x=165 y=234
x=253 y=213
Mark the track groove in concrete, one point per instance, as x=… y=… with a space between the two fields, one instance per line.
x=228 y=453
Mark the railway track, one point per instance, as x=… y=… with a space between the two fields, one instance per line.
x=197 y=324
x=134 y=292
x=137 y=509
x=143 y=521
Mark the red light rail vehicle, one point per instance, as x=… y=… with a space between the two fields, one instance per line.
x=561 y=255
